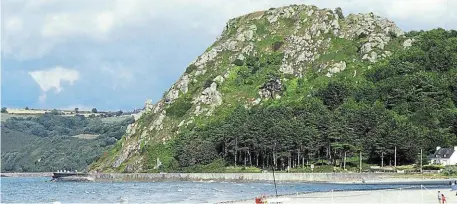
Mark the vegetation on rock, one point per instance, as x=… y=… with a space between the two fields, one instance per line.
x=298 y=85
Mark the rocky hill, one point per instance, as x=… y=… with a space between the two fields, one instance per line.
x=293 y=59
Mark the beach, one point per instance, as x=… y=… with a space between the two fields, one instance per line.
x=392 y=196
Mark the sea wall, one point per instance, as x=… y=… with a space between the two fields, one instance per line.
x=239 y=177
x=28 y=174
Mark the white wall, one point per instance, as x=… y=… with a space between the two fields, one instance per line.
x=440 y=161
x=447 y=161
x=453 y=159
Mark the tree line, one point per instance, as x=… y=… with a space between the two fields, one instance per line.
x=47 y=142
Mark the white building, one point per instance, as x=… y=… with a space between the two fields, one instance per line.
x=444 y=156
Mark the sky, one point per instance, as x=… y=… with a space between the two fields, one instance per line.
x=116 y=54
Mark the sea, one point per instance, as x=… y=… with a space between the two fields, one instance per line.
x=42 y=190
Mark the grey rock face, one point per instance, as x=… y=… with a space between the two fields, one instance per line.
x=271 y=88
x=336 y=68
x=148 y=105
x=210 y=96
x=408 y=43
x=172 y=95
x=219 y=79
x=372 y=57
x=127 y=150
x=206 y=57
x=158 y=123
x=183 y=84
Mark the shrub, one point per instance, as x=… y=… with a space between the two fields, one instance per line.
x=190 y=68
x=94 y=110
x=253 y=64
x=339 y=12
x=4 y=110
x=238 y=62
x=252 y=61
x=217 y=166
x=55 y=112
x=208 y=83
x=432 y=167
x=392 y=34
x=275 y=59
x=334 y=94
x=119 y=113
x=449 y=171
x=277 y=45
x=361 y=36
x=179 y=107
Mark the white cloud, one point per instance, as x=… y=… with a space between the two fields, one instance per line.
x=52 y=79
x=32 y=28
x=120 y=75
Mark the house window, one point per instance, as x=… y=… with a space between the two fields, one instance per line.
x=444 y=155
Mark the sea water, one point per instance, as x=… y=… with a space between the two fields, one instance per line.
x=41 y=190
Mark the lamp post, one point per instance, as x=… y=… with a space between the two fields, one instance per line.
x=421 y=161
x=274 y=179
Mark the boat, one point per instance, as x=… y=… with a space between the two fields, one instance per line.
x=70 y=176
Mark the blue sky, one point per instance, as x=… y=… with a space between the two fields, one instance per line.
x=115 y=54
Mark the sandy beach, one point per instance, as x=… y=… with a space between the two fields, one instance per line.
x=394 y=196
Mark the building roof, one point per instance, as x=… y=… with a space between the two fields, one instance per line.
x=443 y=153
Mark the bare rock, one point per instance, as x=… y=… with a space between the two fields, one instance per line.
x=172 y=95
x=272 y=18
x=158 y=123
x=219 y=79
x=271 y=88
x=336 y=68
x=206 y=57
x=408 y=43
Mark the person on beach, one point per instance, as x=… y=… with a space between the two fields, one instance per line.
x=439 y=197
x=443 y=198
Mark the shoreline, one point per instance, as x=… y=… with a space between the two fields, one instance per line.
x=380 y=196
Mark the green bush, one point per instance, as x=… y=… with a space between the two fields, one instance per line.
x=238 y=62
x=432 y=167
x=334 y=94
x=361 y=36
x=275 y=59
x=191 y=68
x=277 y=45
x=392 y=34
x=217 y=166
x=208 y=83
x=339 y=12
x=179 y=107
x=450 y=171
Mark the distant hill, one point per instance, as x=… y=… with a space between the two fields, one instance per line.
x=301 y=85
x=47 y=142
